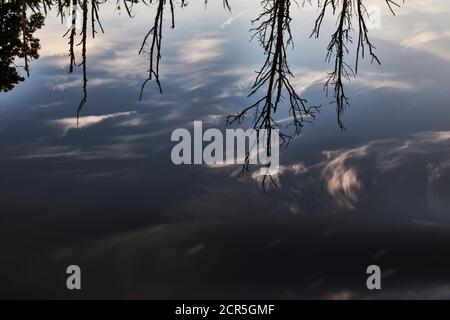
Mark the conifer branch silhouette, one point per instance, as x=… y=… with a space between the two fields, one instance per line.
x=19 y=20
x=25 y=37
x=72 y=34
x=95 y=5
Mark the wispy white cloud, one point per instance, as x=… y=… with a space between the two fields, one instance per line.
x=66 y=124
x=232 y=18
x=133 y=122
x=345 y=175
x=421 y=38
x=61 y=83
x=367 y=81
x=107 y=151
x=202 y=49
x=49 y=105
x=341 y=179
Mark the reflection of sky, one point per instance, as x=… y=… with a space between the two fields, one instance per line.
x=106 y=194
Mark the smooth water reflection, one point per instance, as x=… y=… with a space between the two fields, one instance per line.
x=105 y=195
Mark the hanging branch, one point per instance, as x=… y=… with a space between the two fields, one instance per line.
x=61 y=4
x=155 y=46
x=128 y=4
x=95 y=17
x=363 y=36
x=155 y=36
x=83 y=56
x=273 y=32
x=226 y=5
x=390 y=3
x=274 y=35
x=72 y=31
x=338 y=46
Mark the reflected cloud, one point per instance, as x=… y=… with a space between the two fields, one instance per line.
x=202 y=49
x=295 y=169
x=308 y=78
x=344 y=177
x=422 y=38
x=67 y=124
x=231 y=19
x=341 y=180
x=61 y=83
x=435 y=173
x=433 y=7
x=133 y=122
x=49 y=105
x=426 y=39
x=423 y=27
x=118 y=151
x=376 y=81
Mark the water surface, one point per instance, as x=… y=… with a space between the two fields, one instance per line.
x=105 y=195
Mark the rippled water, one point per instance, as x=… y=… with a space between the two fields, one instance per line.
x=106 y=196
